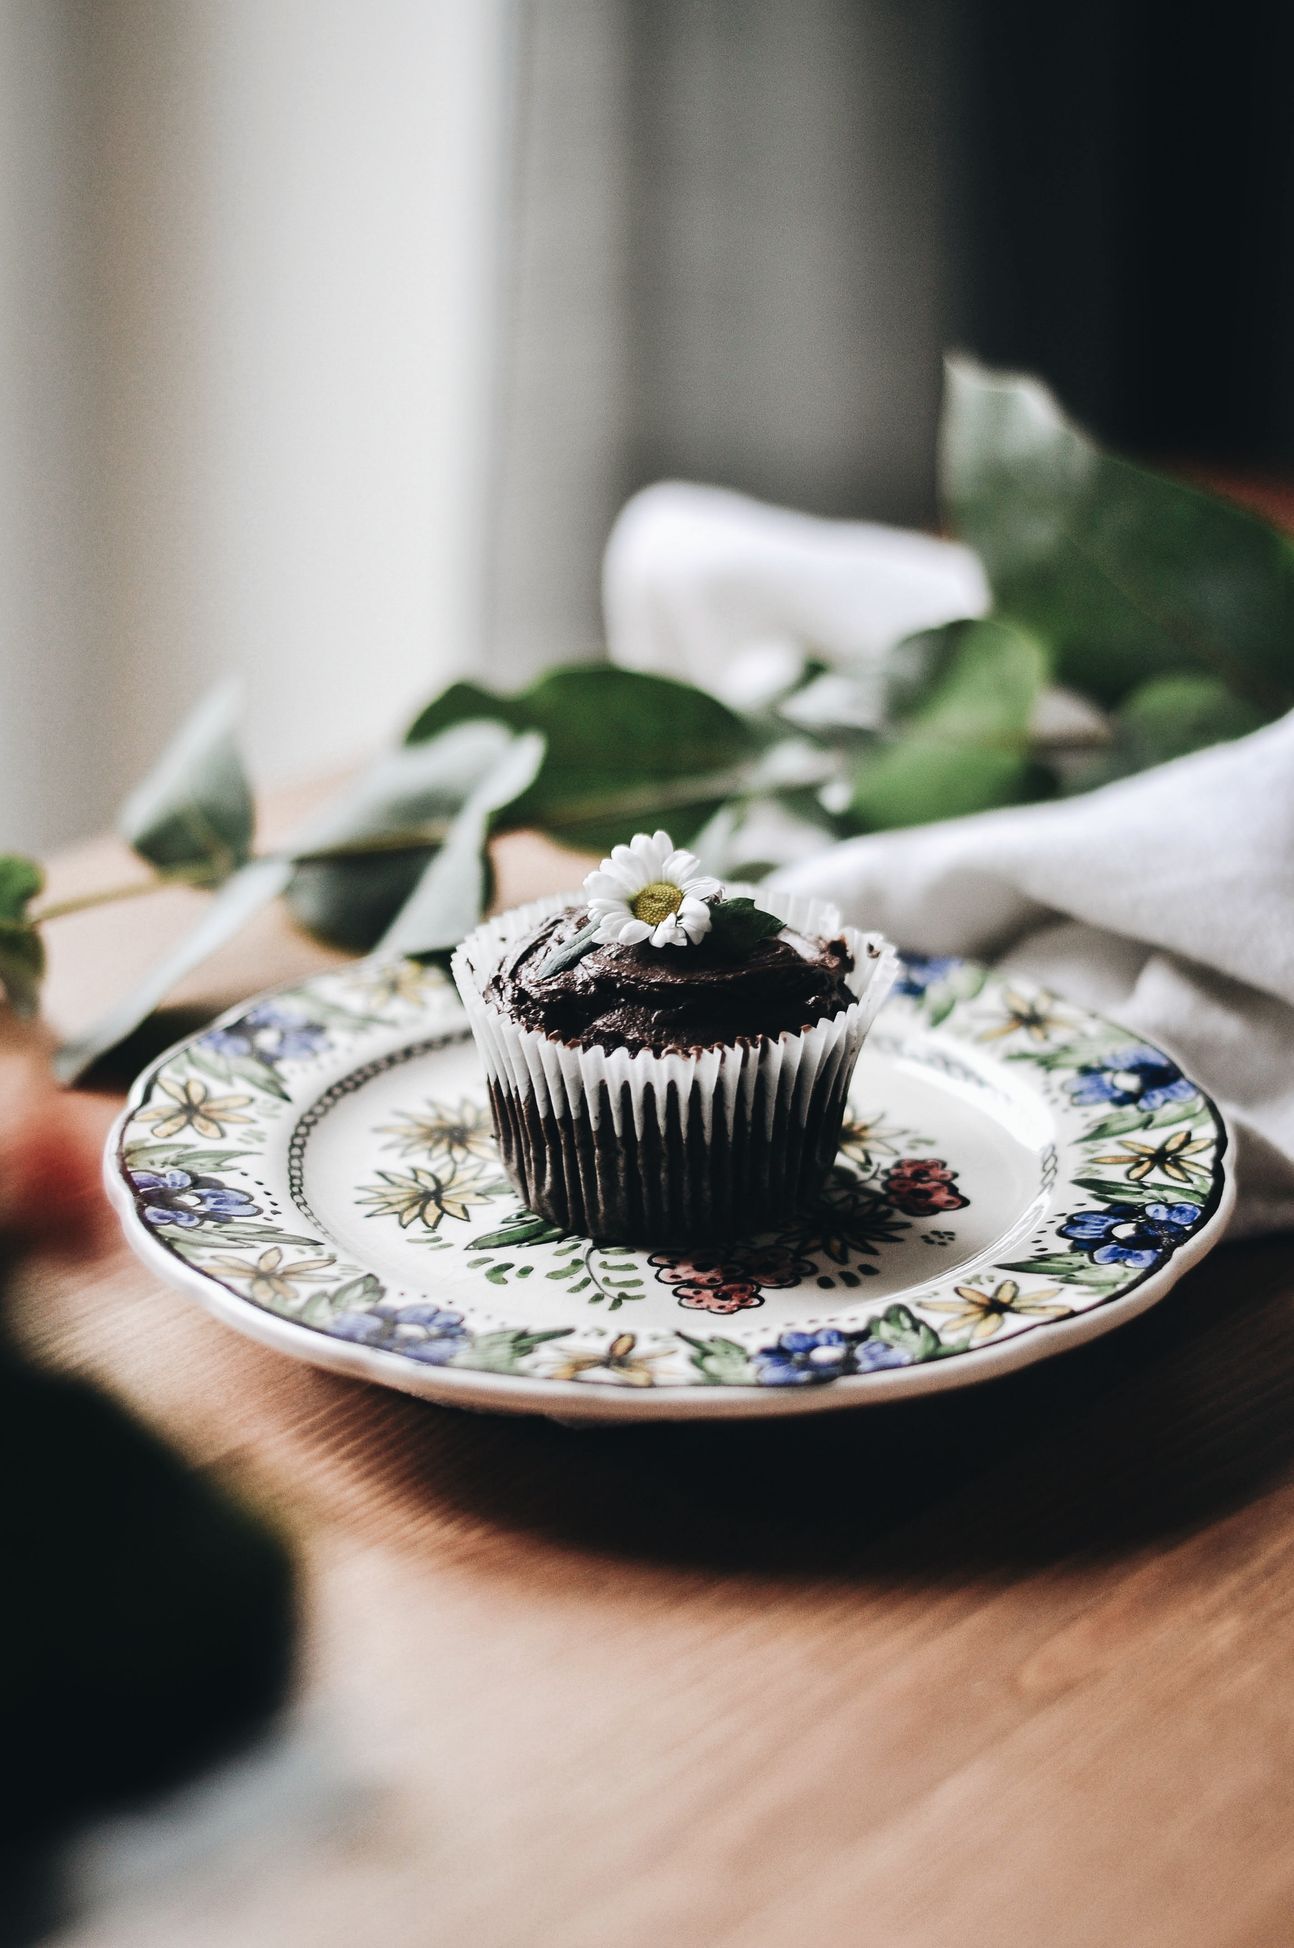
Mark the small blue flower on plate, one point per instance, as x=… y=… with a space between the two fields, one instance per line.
x=1137 y=1077
x=422 y=1332
x=269 y=1033
x=917 y=972
x=174 y=1197
x=1131 y=1234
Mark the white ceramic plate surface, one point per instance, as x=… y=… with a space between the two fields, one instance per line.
x=1018 y=1176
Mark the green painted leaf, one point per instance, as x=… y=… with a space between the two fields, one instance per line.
x=1121 y=1123
x=897 y=1326
x=1074 y=1268
x=1123 y=574
x=1125 y=1193
x=965 y=747
x=624 y=751
x=721 y=1362
x=1180 y=1112
x=525 y=1229
x=195 y=808
x=143 y=1156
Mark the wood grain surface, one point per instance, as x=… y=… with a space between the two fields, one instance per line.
x=1014 y=1667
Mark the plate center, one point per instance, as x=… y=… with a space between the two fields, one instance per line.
x=398 y=1167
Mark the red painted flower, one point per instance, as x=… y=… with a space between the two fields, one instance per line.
x=921 y=1186
x=733 y=1296
x=776 y=1266
x=709 y=1284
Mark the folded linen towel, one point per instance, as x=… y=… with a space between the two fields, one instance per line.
x=1165 y=900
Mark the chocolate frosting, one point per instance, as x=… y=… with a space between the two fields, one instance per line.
x=670 y=997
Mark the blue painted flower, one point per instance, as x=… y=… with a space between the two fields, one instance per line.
x=422 y=1332
x=1137 y=1077
x=1131 y=1234
x=174 y=1197
x=803 y=1359
x=917 y=972
x=870 y=1355
x=269 y=1033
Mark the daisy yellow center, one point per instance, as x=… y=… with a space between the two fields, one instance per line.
x=656 y=902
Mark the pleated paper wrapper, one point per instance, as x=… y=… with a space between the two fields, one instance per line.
x=680 y=1148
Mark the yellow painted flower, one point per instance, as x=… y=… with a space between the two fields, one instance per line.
x=1140 y=1160
x=399 y=980
x=458 y=1132
x=192 y=1106
x=981 y=1313
x=1035 y=1017
x=425 y=1196
x=862 y=1141
x=269 y=1281
x=617 y=1363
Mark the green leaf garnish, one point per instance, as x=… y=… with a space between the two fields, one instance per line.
x=737 y=926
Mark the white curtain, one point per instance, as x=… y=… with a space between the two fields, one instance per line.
x=248 y=333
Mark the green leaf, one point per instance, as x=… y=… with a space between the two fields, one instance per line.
x=965 y=747
x=22 y=952
x=625 y=751
x=1169 y=717
x=722 y=1362
x=1072 y=1267
x=524 y=1229
x=1121 y=1123
x=20 y=881
x=143 y=1156
x=1126 y=1193
x=502 y=1351
x=231 y=908
x=22 y=966
x=414 y=790
x=449 y=898
x=195 y=809
x=899 y=1327
x=1125 y=575
x=737 y=926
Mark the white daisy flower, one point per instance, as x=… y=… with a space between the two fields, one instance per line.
x=650 y=890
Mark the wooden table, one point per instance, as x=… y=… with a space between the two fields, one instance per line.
x=1010 y=1668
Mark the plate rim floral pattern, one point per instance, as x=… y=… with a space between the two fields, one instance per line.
x=935 y=991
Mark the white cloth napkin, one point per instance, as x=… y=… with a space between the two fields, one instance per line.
x=1165 y=901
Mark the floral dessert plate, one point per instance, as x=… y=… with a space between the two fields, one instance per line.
x=1015 y=1176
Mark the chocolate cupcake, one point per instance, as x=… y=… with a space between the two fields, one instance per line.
x=668 y=1063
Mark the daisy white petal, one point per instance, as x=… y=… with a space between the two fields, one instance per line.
x=650 y=854
x=626 y=861
x=608 y=885
x=632 y=933
x=703 y=887
x=680 y=866
x=694 y=917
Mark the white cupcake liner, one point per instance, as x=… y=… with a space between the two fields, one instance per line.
x=677 y=1145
